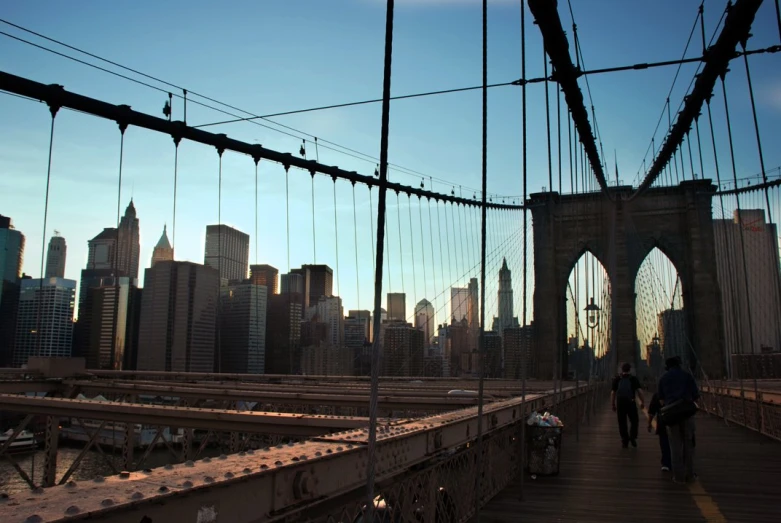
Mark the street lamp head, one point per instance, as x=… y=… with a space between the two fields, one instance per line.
x=592 y=314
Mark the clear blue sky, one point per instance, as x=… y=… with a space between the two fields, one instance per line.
x=268 y=57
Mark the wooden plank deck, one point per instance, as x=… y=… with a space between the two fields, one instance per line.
x=739 y=480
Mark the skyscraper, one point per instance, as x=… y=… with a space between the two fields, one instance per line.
x=102 y=251
x=227 y=250
x=129 y=249
x=264 y=275
x=518 y=347
x=397 y=306
x=473 y=308
x=55 y=257
x=424 y=320
x=459 y=303
x=329 y=311
x=366 y=318
x=321 y=282
x=243 y=328
x=505 y=320
x=99 y=335
x=44 y=324
x=672 y=334
x=11 y=257
x=102 y=325
x=403 y=351
x=163 y=250
x=178 y=317
x=750 y=281
x=283 y=328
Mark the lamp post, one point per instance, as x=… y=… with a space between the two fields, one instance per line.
x=592 y=321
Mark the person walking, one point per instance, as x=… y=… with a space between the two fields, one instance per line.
x=678 y=390
x=626 y=388
x=654 y=409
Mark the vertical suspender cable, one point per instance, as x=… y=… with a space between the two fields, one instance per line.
x=374 y=392
x=423 y=254
x=691 y=158
x=336 y=242
x=355 y=239
x=269 y=285
x=314 y=236
x=114 y=319
x=742 y=241
x=177 y=139
x=219 y=261
x=524 y=342
x=481 y=357
x=759 y=145
x=412 y=255
x=53 y=110
x=288 y=305
x=401 y=251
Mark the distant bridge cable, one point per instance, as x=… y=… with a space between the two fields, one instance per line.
x=185 y=92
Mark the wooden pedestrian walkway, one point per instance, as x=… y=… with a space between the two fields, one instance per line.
x=739 y=480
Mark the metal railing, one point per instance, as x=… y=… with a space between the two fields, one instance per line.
x=759 y=411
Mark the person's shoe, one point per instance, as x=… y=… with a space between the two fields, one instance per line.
x=634 y=443
x=624 y=444
x=665 y=468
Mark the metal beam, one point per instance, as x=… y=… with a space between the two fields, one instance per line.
x=566 y=74
x=737 y=25
x=214 y=419
x=260 y=485
x=440 y=402
x=57 y=96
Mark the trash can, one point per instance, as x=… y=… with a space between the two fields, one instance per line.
x=543 y=449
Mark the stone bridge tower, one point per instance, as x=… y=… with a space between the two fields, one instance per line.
x=621 y=233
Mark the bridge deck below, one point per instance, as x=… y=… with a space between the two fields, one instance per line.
x=599 y=481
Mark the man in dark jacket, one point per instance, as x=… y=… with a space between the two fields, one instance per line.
x=679 y=385
x=625 y=388
x=654 y=408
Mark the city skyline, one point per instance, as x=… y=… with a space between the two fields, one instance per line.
x=85 y=151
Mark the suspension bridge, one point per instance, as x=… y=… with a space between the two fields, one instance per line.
x=410 y=413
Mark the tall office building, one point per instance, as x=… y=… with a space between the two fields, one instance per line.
x=178 y=317
x=283 y=328
x=424 y=320
x=671 y=326
x=129 y=249
x=403 y=351
x=264 y=275
x=473 y=307
x=297 y=280
x=329 y=310
x=107 y=264
x=505 y=320
x=102 y=326
x=750 y=292
x=518 y=348
x=473 y=311
x=102 y=250
x=227 y=250
x=163 y=250
x=459 y=304
x=55 y=257
x=321 y=282
x=493 y=363
x=242 y=344
x=357 y=340
x=366 y=318
x=11 y=257
x=459 y=342
x=397 y=306
x=44 y=325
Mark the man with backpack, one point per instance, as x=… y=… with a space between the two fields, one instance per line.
x=625 y=388
x=678 y=394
